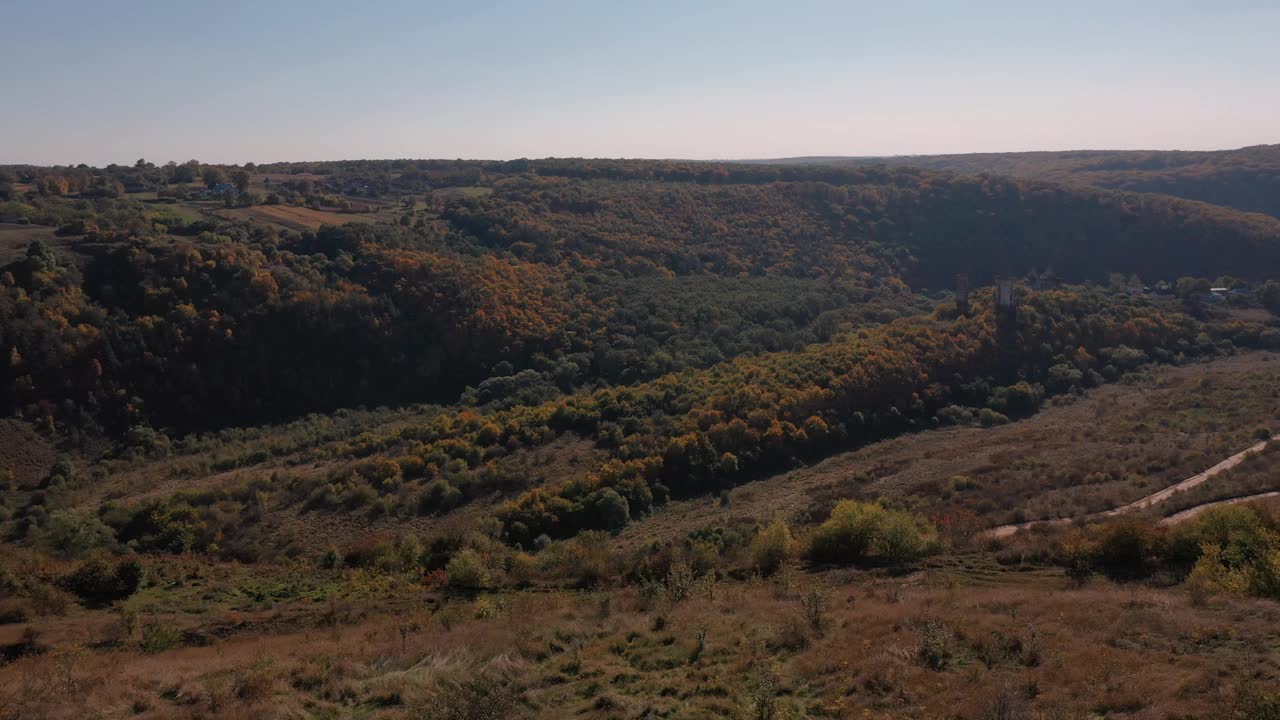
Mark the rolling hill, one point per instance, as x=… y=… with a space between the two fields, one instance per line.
x=404 y=439
x=1246 y=178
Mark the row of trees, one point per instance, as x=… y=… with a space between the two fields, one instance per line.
x=690 y=433
x=703 y=430
x=700 y=431
x=114 y=180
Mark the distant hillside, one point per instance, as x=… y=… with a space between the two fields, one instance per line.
x=168 y=306
x=1246 y=179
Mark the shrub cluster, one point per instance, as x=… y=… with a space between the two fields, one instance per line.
x=100 y=582
x=858 y=531
x=1232 y=550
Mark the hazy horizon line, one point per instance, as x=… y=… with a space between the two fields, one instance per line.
x=755 y=158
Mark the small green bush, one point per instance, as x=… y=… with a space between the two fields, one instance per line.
x=847 y=535
x=1018 y=399
x=903 y=537
x=857 y=530
x=72 y=534
x=467 y=570
x=988 y=417
x=158 y=637
x=772 y=547
x=610 y=509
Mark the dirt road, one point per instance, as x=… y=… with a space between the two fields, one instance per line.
x=1155 y=498
x=1194 y=511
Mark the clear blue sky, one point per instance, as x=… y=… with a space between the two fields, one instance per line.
x=233 y=81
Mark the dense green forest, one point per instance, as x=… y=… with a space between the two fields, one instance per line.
x=1246 y=179
x=146 y=304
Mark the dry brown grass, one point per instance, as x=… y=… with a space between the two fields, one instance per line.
x=292 y=217
x=14 y=239
x=1258 y=473
x=962 y=639
x=942 y=643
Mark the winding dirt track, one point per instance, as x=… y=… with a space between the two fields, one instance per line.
x=1194 y=511
x=1158 y=497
